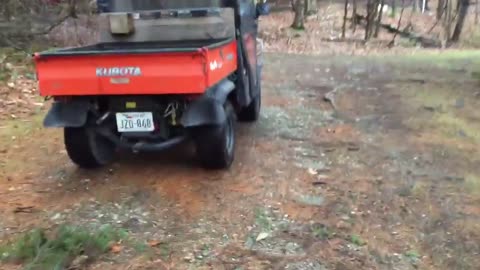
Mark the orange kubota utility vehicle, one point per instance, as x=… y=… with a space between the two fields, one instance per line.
x=163 y=71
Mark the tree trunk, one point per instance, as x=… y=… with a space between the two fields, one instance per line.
x=448 y=19
x=367 y=27
x=379 y=20
x=345 y=13
x=440 y=9
x=462 y=14
x=394 y=9
x=354 y=16
x=310 y=7
x=372 y=7
x=299 y=20
x=392 y=43
x=476 y=11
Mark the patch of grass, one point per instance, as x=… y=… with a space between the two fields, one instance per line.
x=413 y=256
x=433 y=98
x=205 y=250
x=263 y=220
x=165 y=251
x=446 y=60
x=140 y=247
x=472 y=39
x=446 y=120
x=451 y=124
x=443 y=56
x=420 y=190
x=36 y=250
x=472 y=183
x=19 y=59
x=15 y=128
x=357 y=240
x=322 y=232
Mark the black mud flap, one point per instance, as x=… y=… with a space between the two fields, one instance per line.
x=208 y=110
x=67 y=114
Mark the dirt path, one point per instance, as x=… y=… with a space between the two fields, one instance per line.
x=387 y=178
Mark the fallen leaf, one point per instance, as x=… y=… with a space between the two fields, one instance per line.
x=312 y=171
x=262 y=236
x=116 y=248
x=154 y=243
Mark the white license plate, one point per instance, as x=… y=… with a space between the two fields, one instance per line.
x=135 y=122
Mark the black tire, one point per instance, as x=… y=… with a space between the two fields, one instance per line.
x=216 y=144
x=87 y=149
x=251 y=113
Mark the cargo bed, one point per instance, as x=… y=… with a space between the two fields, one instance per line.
x=186 y=67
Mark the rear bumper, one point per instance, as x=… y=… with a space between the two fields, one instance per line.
x=141 y=146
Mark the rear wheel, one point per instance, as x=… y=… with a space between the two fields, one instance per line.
x=216 y=145
x=87 y=149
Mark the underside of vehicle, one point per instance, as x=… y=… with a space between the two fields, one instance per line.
x=163 y=72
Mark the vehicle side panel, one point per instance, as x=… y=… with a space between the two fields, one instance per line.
x=222 y=62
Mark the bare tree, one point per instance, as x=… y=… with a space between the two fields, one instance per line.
x=441 y=8
x=372 y=11
x=354 y=15
x=462 y=14
x=394 y=8
x=299 y=20
x=398 y=25
x=379 y=20
x=476 y=11
x=448 y=19
x=345 y=14
x=22 y=21
x=310 y=7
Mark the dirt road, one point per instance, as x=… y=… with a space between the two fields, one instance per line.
x=383 y=173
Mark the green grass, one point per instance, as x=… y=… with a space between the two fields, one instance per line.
x=35 y=250
x=472 y=183
x=357 y=240
x=16 y=128
x=447 y=59
x=263 y=220
x=17 y=59
x=322 y=232
x=412 y=254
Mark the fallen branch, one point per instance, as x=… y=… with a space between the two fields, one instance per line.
x=350 y=40
x=392 y=43
x=426 y=42
x=330 y=98
x=24 y=209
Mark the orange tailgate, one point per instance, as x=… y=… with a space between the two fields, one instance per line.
x=189 y=72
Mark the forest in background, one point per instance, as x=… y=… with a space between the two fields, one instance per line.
x=441 y=22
